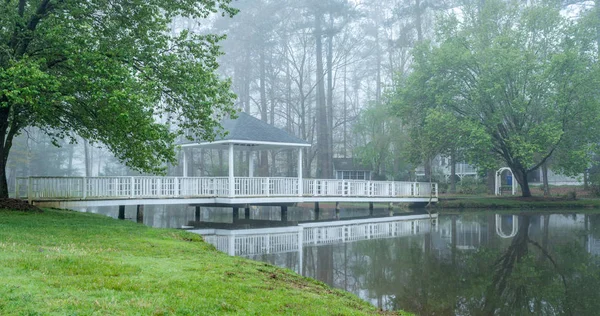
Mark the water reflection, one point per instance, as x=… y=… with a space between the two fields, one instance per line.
x=471 y=264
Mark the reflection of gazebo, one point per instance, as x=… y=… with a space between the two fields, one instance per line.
x=251 y=134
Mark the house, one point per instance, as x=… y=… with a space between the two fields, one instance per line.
x=441 y=166
x=349 y=168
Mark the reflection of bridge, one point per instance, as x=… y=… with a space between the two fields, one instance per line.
x=290 y=239
x=104 y=191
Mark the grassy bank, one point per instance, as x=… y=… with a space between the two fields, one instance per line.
x=538 y=203
x=63 y=262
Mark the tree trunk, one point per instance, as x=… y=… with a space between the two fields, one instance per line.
x=264 y=155
x=3 y=181
x=453 y=172
x=521 y=176
x=329 y=127
x=545 y=179
x=491 y=181
x=323 y=161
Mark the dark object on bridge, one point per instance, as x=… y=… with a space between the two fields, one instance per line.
x=18 y=205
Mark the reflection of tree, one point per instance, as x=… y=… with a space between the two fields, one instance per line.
x=527 y=277
x=536 y=280
x=504 y=266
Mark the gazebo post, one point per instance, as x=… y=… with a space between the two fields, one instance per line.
x=300 y=182
x=184 y=162
x=251 y=164
x=231 y=178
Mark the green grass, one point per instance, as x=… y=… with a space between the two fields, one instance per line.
x=68 y=263
x=487 y=202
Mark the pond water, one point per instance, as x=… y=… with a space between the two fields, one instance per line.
x=478 y=263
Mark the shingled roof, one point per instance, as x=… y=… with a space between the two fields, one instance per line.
x=246 y=130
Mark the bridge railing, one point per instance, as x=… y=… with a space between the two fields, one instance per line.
x=40 y=188
x=332 y=187
x=288 y=239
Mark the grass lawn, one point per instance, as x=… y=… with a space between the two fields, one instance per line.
x=70 y=263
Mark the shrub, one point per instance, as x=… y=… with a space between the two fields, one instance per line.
x=471 y=185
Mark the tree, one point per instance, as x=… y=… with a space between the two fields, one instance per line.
x=113 y=73
x=522 y=78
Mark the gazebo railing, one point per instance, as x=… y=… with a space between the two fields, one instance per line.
x=40 y=188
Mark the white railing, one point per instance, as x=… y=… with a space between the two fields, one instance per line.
x=316 y=187
x=245 y=186
x=289 y=239
x=336 y=232
x=65 y=188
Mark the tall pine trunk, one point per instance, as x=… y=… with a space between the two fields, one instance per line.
x=323 y=161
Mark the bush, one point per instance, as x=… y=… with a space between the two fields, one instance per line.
x=594 y=182
x=470 y=185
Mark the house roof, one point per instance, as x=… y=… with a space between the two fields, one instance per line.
x=250 y=133
x=349 y=164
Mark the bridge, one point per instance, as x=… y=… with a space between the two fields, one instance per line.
x=67 y=192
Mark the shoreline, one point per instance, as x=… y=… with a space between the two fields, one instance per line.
x=500 y=203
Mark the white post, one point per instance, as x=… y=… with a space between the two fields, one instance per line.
x=231 y=178
x=514 y=186
x=251 y=164
x=184 y=162
x=300 y=246
x=300 y=181
x=132 y=192
x=84 y=188
x=29 y=191
x=231 y=245
x=496 y=184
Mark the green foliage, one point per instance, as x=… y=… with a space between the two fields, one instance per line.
x=519 y=81
x=383 y=138
x=111 y=73
x=470 y=185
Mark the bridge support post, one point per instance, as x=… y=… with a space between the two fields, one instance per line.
x=337 y=210
x=284 y=216
x=236 y=214
x=370 y=208
x=140 y=214
x=121 y=212
x=247 y=212
x=197 y=213
x=316 y=211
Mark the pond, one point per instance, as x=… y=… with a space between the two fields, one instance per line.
x=478 y=263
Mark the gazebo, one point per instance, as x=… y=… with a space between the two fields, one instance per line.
x=242 y=133
x=251 y=134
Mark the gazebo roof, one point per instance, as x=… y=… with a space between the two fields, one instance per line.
x=250 y=133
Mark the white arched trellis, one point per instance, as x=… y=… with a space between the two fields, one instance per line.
x=515 y=226
x=499 y=180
